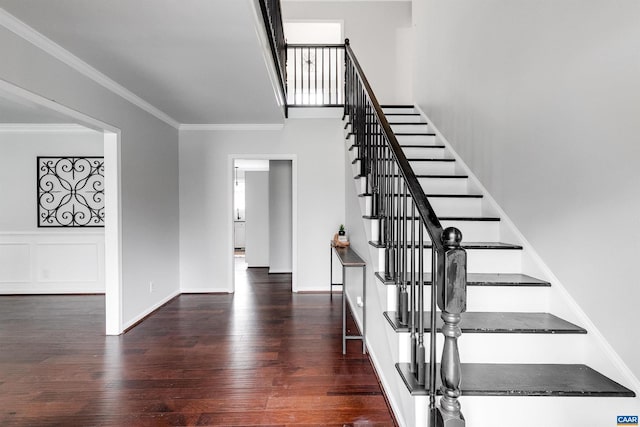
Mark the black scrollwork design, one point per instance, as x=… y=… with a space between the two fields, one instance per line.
x=70 y=192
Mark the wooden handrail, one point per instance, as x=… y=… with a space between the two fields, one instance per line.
x=425 y=210
x=391 y=180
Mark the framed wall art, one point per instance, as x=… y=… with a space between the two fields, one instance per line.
x=70 y=191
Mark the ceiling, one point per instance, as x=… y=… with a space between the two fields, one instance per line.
x=198 y=61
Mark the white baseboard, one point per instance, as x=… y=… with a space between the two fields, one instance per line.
x=19 y=288
x=205 y=291
x=279 y=271
x=150 y=310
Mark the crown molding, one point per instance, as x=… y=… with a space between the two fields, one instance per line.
x=43 y=128
x=233 y=126
x=24 y=31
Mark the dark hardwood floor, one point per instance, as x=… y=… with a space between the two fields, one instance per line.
x=263 y=356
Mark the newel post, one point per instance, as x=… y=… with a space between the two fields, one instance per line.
x=452 y=301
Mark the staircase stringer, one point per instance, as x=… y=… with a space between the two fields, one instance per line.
x=561 y=302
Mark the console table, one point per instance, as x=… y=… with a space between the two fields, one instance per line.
x=349 y=258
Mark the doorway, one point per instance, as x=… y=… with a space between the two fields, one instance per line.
x=263 y=208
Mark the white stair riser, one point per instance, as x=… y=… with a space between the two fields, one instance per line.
x=446 y=206
x=472 y=231
x=416 y=140
x=402 y=139
x=444 y=185
x=405 y=118
x=492 y=298
x=506 y=347
x=409 y=152
x=543 y=411
x=433 y=168
x=409 y=110
x=478 y=260
x=476 y=231
x=456 y=206
x=412 y=128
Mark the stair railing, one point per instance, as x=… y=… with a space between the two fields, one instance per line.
x=315 y=75
x=272 y=17
x=404 y=213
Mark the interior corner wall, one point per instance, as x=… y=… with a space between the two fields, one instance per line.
x=44 y=260
x=148 y=170
x=377 y=31
x=541 y=99
x=257 y=218
x=280 y=216
x=205 y=188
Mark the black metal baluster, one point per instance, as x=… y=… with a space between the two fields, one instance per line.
x=301 y=76
x=383 y=195
x=308 y=76
x=412 y=282
x=420 y=356
x=398 y=247
x=295 y=74
x=404 y=296
x=315 y=76
x=322 y=80
x=389 y=272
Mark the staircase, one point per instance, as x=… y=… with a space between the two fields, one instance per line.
x=526 y=358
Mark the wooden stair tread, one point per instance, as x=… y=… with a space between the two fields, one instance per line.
x=405 y=146
x=484 y=279
x=447 y=218
x=350 y=134
x=397 y=106
x=519 y=379
x=402 y=114
x=431 y=160
x=498 y=323
x=465 y=245
x=433 y=176
x=448 y=160
x=476 y=196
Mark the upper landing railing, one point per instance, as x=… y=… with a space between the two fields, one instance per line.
x=315 y=75
x=310 y=75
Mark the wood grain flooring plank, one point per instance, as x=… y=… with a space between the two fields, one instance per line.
x=260 y=357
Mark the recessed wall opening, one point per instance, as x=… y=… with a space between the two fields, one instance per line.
x=262 y=211
x=65 y=245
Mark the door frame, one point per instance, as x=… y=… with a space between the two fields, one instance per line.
x=294 y=212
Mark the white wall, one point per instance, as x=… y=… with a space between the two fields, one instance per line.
x=280 y=216
x=149 y=170
x=376 y=30
x=205 y=196
x=44 y=260
x=257 y=219
x=541 y=99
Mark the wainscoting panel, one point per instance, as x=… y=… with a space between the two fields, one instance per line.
x=15 y=265
x=52 y=262
x=67 y=262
